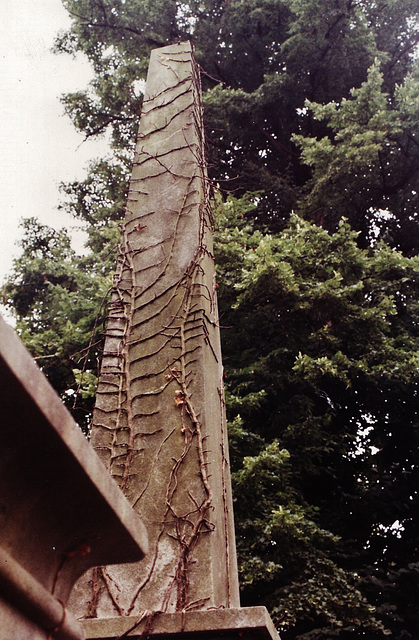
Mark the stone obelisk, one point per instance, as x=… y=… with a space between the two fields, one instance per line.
x=159 y=422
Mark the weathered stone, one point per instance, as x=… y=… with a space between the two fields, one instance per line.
x=159 y=421
x=251 y=623
x=60 y=512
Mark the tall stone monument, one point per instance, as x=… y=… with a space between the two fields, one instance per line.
x=159 y=421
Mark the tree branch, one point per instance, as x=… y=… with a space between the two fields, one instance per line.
x=112 y=27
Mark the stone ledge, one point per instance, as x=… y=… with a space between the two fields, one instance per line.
x=60 y=511
x=250 y=623
x=56 y=494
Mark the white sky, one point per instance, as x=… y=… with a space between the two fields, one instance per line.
x=39 y=147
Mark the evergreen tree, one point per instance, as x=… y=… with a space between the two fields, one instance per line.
x=262 y=60
x=322 y=377
x=311 y=106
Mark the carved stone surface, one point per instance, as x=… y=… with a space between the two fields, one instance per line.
x=60 y=512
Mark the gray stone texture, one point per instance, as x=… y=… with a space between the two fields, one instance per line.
x=60 y=512
x=251 y=623
x=159 y=421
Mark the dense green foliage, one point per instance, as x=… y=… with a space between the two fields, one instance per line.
x=262 y=61
x=322 y=365
x=312 y=111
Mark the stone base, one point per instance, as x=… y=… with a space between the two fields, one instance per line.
x=250 y=623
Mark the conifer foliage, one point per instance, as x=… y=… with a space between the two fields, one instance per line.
x=312 y=116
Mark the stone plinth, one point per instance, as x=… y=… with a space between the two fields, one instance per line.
x=252 y=623
x=60 y=512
